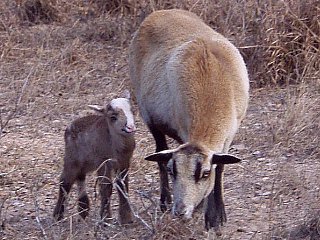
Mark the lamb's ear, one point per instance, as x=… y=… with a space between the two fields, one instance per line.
x=164 y=155
x=97 y=108
x=224 y=159
x=126 y=94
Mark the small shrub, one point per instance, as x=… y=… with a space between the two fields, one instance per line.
x=37 y=11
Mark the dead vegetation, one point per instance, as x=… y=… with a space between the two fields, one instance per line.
x=56 y=56
x=37 y=11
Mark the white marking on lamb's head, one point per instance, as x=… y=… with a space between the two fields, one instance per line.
x=123 y=104
x=119 y=114
x=192 y=168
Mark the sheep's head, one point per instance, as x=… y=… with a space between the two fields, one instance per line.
x=119 y=115
x=193 y=174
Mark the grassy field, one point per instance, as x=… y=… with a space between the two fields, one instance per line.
x=57 y=56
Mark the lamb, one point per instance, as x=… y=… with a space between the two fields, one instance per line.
x=192 y=85
x=105 y=143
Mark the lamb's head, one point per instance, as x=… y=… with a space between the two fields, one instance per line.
x=192 y=168
x=119 y=115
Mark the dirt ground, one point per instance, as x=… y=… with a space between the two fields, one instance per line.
x=58 y=70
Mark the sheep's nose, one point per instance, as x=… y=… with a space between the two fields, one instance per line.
x=179 y=209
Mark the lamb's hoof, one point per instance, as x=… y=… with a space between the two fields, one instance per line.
x=57 y=217
x=83 y=207
x=58 y=213
x=106 y=216
x=214 y=234
x=84 y=213
x=126 y=218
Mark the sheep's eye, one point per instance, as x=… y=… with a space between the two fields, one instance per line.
x=206 y=174
x=113 y=118
x=169 y=170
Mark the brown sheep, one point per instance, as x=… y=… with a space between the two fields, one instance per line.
x=105 y=143
x=191 y=84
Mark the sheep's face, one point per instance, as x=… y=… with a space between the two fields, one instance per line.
x=193 y=174
x=120 y=115
x=193 y=179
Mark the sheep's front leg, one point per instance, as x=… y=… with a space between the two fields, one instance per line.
x=161 y=144
x=165 y=196
x=105 y=183
x=125 y=213
x=66 y=182
x=215 y=214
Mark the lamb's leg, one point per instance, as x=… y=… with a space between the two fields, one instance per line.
x=83 y=199
x=125 y=213
x=161 y=144
x=66 y=182
x=105 y=182
x=215 y=214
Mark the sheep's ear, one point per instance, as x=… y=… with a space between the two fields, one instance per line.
x=126 y=94
x=164 y=155
x=97 y=108
x=224 y=159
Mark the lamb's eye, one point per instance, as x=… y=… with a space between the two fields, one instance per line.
x=113 y=118
x=206 y=173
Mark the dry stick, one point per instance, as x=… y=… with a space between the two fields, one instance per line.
x=97 y=179
x=301 y=22
x=7 y=173
x=2 y=221
x=153 y=221
x=130 y=205
x=36 y=205
x=154 y=205
x=17 y=103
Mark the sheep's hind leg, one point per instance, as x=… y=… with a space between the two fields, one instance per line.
x=64 y=189
x=83 y=199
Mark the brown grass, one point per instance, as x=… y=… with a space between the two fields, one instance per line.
x=62 y=55
x=279 y=39
x=37 y=11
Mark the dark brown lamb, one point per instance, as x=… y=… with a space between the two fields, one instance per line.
x=104 y=143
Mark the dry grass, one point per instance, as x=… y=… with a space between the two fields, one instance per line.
x=279 y=39
x=37 y=11
x=56 y=56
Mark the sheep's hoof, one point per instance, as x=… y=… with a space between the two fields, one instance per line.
x=107 y=219
x=83 y=213
x=165 y=202
x=126 y=217
x=214 y=218
x=58 y=213
x=83 y=206
x=106 y=214
x=214 y=234
x=163 y=207
x=57 y=217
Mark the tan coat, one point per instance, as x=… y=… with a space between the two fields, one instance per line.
x=191 y=84
x=197 y=79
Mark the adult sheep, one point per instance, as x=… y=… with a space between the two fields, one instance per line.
x=191 y=84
